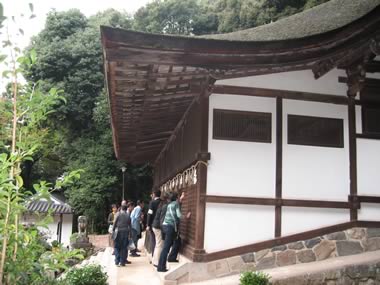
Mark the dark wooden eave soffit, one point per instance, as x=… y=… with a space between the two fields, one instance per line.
x=152 y=79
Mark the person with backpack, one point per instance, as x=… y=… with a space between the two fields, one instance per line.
x=170 y=228
x=156 y=227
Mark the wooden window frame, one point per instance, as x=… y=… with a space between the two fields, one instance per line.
x=339 y=144
x=370 y=92
x=265 y=115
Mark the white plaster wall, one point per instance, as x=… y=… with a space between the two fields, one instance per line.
x=369 y=212
x=67 y=228
x=368 y=162
x=296 y=81
x=229 y=226
x=311 y=172
x=241 y=168
x=51 y=230
x=297 y=220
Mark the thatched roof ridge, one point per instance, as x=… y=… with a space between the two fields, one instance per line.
x=317 y=20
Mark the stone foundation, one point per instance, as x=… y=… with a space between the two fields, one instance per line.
x=343 y=243
x=364 y=274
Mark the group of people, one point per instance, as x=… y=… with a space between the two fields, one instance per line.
x=125 y=226
x=162 y=223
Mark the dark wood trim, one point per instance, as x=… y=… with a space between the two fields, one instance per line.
x=278 y=209
x=285 y=94
x=277 y=202
x=321 y=128
x=352 y=153
x=368 y=199
x=367 y=103
x=369 y=82
x=202 y=174
x=242 y=122
x=286 y=239
x=368 y=136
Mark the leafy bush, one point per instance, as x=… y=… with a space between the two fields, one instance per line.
x=254 y=278
x=89 y=275
x=74 y=237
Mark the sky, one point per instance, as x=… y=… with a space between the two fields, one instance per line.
x=33 y=26
x=42 y=7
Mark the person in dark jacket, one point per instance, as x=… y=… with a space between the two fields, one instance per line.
x=156 y=227
x=153 y=206
x=121 y=230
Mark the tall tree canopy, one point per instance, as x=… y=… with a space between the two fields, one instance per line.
x=214 y=16
x=69 y=56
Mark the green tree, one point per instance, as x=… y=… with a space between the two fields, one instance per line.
x=82 y=135
x=167 y=16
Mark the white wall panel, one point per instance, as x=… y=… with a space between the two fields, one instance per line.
x=241 y=168
x=368 y=164
x=297 y=220
x=229 y=226
x=295 y=81
x=67 y=228
x=311 y=172
x=369 y=212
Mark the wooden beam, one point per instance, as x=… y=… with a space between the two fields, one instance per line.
x=368 y=136
x=272 y=93
x=278 y=202
x=369 y=199
x=278 y=209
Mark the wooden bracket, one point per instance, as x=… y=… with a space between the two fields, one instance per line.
x=374 y=45
x=356 y=77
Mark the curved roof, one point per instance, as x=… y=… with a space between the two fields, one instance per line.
x=152 y=79
x=317 y=20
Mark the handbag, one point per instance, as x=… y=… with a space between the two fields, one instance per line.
x=131 y=245
x=114 y=234
x=110 y=229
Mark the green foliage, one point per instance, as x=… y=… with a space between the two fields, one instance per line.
x=254 y=278
x=220 y=16
x=74 y=237
x=88 y=275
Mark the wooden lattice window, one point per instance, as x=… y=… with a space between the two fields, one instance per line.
x=370 y=112
x=242 y=126
x=315 y=131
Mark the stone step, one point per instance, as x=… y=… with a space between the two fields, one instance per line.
x=361 y=268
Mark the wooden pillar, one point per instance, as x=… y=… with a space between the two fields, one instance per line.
x=202 y=177
x=278 y=208
x=355 y=80
x=353 y=156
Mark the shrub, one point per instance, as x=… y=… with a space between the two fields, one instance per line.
x=254 y=278
x=88 y=275
x=74 y=237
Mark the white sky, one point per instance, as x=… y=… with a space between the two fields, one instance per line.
x=42 y=7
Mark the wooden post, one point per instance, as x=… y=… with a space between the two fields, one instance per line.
x=355 y=80
x=278 y=208
x=202 y=179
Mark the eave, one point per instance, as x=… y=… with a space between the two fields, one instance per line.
x=152 y=79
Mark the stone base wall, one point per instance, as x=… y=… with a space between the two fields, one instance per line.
x=365 y=274
x=349 y=242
